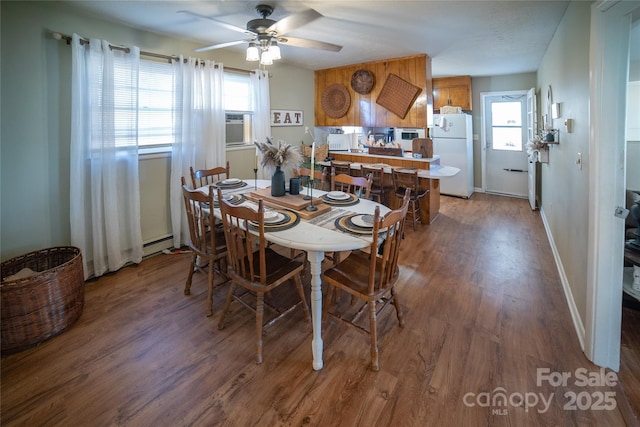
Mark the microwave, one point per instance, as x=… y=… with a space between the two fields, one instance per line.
x=405 y=136
x=342 y=141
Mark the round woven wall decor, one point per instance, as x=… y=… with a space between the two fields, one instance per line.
x=362 y=81
x=335 y=100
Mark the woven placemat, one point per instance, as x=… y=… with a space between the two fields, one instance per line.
x=335 y=100
x=397 y=95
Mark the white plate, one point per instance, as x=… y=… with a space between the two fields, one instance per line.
x=272 y=216
x=363 y=220
x=224 y=197
x=337 y=195
x=231 y=181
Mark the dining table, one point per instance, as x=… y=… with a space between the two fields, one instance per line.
x=315 y=236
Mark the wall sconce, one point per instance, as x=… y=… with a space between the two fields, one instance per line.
x=568 y=125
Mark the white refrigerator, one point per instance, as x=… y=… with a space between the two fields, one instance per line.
x=452 y=137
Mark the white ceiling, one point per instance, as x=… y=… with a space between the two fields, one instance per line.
x=478 y=38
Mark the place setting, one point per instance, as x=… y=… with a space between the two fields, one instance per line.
x=361 y=224
x=340 y=198
x=234 y=199
x=230 y=183
x=277 y=220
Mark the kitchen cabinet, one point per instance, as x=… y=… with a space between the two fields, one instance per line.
x=452 y=91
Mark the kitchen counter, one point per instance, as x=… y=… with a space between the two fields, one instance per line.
x=429 y=170
x=427 y=167
x=407 y=156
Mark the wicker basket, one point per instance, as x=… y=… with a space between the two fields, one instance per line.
x=322 y=151
x=44 y=304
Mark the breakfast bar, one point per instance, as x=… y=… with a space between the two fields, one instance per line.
x=429 y=170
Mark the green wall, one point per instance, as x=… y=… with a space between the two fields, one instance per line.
x=35 y=106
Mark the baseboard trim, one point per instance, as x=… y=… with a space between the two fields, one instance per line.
x=573 y=309
x=157 y=245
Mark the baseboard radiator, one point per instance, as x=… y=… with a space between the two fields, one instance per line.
x=157 y=245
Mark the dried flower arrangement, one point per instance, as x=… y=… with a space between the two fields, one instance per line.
x=536 y=144
x=283 y=155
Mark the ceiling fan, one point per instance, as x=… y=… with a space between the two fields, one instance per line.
x=266 y=34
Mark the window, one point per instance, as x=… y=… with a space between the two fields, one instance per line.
x=237 y=105
x=155 y=105
x=156 y=102
x=506 y=126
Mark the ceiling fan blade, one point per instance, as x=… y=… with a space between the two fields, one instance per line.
x=313 y=44
x=221 y=23
x=220 y=45
x=291 y=22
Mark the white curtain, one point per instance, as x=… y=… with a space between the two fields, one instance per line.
x=261 y=106
x=199 y=131
x=105 y=193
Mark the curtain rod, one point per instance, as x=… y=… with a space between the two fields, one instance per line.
x=67 y=38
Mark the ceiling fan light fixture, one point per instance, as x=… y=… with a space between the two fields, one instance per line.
x=274 y=50
x=252 y=52
x=266 y=58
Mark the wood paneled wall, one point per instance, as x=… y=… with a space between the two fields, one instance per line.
x=364 y=111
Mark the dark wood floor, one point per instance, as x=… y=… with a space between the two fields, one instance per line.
x=484 y=310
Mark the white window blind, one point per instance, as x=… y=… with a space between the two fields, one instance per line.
x=237 y=105
x=155 y=113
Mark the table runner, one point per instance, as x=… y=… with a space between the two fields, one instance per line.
x=326 y=220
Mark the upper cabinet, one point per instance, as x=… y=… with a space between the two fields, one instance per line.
x=452 y=91
x=353 y=95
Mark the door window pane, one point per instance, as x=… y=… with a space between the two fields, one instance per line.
x=506 y=123
x=507 y=139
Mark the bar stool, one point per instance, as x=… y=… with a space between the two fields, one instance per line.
x=408 y=179
x=378 y=189
x=341 y=167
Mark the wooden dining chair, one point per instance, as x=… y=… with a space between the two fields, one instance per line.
x=254 y=266
x=341 y=166
x=202 y=177
x=370 y=276
x=378 y=187
x=358 y=185
x=319 y=177
x=207 y=242
x=408 y=179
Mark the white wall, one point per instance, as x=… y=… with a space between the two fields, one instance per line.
x=34 y=151
x=565 y=192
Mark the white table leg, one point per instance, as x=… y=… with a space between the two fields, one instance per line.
x=315 y=260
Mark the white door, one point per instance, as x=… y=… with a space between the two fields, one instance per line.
x=505 y=133
x=532 y=129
